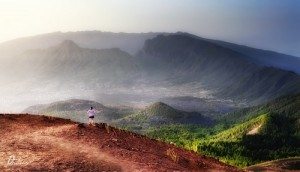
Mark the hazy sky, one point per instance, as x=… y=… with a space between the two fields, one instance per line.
x=268 y=24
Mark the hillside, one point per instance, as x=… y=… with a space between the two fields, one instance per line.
x=40 y=143
x=287 y=105
x=182 y=58
x=265 y=132
x=237 y=132
x=69 y=64
x=159 y=114
x=246 y=137
x=75 y=109
x=266 y=58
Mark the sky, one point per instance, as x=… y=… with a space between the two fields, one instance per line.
x=266 y=24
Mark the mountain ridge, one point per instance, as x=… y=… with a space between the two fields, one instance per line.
x=245 y=137
x=197 y=67
x=69 y=61
x=101 y=40
x=263 y=57
x=191 y=59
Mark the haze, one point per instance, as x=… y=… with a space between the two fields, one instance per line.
x=268 y=24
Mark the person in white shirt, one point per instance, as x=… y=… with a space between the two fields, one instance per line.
x=91 y=114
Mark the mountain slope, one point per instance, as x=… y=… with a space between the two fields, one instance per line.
x=262 y=133
x=272 y=128
x=245 y=137
x=288 y=105
x=266 y=58
x=36 y=143
x=276 y=136
x=259 y=56
x=183 y=58
x=239 y=131
x=66 y=71
x=67 y=61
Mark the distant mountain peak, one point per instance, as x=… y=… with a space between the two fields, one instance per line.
x=158 y=104
x=68 y=45
x=161 y=109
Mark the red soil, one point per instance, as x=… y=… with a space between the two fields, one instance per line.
x=40 y=143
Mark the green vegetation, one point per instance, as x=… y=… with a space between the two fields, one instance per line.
x=275 y=139
x=156 y=111
x=182 y=135
x=237 y=132
x=288 y=105
x=246 y=137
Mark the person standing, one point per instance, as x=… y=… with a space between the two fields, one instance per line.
x=91 y=114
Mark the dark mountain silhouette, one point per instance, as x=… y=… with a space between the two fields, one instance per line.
x=181 y=58
x=259 y=56
x=265 y=57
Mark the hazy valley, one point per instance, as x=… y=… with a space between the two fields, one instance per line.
x=169 y=65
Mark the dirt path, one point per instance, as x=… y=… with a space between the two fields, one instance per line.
x=255 y=130
x=281 y=165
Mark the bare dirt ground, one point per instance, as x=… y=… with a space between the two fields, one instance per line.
x=281 y=165
x=40 y=143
